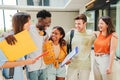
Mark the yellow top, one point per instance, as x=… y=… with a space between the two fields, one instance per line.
x=50 y=57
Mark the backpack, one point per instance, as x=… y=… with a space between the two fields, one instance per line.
x=8 y=73
x=69 y=45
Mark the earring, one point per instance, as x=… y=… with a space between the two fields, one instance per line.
x=42 y=33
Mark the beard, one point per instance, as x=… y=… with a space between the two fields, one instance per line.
x=41 y=28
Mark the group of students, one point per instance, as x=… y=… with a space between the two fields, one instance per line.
x=48 y=68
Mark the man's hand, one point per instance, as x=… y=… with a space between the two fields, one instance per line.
x=11 y=39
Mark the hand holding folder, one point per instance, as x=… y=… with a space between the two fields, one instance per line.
x=22 y=47
x=70 y=56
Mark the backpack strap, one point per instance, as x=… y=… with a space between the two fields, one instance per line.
x=11 y=72
x=71 y=37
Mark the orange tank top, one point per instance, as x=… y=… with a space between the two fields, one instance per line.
x=102 y=44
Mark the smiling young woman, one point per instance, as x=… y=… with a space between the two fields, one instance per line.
x=104 y=47
x=56 y=48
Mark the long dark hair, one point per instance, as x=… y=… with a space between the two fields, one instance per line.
x=109 y=22
x=62 y=32
x=18 y=21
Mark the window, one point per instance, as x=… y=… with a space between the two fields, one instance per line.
x=1 y=22
x=51 y=3
x=38 y=2
x=9 y=2
x=0 y=2
x=6 y=15
x=90 y=20
x=113 y=15
x=8 y=18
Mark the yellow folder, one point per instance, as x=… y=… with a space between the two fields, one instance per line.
x=23 y=46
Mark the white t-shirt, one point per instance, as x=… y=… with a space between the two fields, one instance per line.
x=3 y=59
x=39 y=43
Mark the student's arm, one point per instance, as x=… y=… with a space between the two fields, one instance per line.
x=96 y=33
x=113 y=46
x=10 y=64
x=9 y=37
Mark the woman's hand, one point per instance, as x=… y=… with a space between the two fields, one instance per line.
x=68 y=62
x=109 y=70
x=30 y=61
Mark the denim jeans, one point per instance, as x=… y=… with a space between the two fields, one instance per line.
x=37 y=75
x=52 y=72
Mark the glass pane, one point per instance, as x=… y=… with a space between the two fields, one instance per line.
x=9 y=2
x=0 y=2
x=113 y=16
x=8 y=18
x=29 y=2
x=46 y=2
x=52 y=3
x=1 y=22
x=57 y=3
x=90 y=20
x=38 y=2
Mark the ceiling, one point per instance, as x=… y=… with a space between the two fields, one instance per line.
x=76 y=5
x=72 y=5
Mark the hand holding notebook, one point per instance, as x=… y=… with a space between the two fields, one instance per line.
x=69 y=56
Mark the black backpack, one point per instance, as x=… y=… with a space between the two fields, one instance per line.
x=69 y=45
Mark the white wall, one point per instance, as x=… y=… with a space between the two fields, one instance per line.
x=64 y=19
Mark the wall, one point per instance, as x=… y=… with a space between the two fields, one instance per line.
x=118 y=27
x=64 y=19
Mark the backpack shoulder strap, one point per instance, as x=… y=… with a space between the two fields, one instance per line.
x=71 y=36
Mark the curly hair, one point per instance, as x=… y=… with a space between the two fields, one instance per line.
x=43 y=14
x=62 y=32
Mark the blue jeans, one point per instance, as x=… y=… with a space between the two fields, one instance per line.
x=37 y=75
